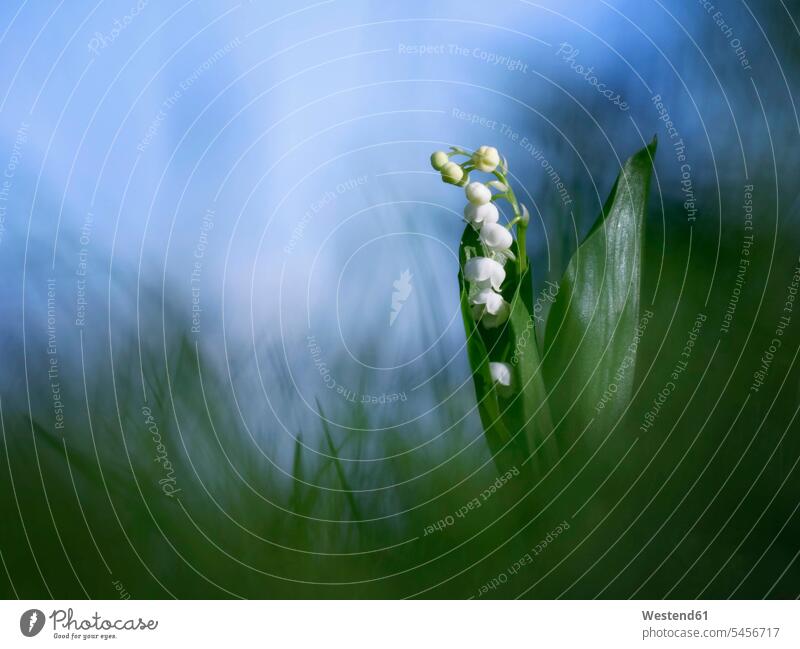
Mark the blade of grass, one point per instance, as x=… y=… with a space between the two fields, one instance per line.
x=338 y=465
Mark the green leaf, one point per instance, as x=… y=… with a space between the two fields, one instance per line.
x=528 y=408
x=592 y=322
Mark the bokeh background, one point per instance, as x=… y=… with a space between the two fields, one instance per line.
x=204 y=209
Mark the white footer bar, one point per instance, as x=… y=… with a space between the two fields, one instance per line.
x=389 y=624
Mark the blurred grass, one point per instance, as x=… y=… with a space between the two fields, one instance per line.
x=704 y=503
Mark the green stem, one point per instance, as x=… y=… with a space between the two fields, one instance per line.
x=522 y=256
x=457 y=150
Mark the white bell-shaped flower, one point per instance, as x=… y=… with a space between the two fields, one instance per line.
x=486 y=159
x=483 y=272
x=496 y=237
x=490 y=308
x=478 y=193
x=488 y=298
x=477 y=215
x=501 y=375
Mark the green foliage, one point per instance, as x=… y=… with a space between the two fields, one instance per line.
x=590 y=328
x=704 y=504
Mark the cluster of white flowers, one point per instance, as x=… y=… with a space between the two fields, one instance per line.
x=485 y=277
x=486 y=273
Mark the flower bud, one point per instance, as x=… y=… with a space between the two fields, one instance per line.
x=478 y=193
x=486 y=159
x=439 y=159
x=496 y=184
x=452 y=173
x=524 y=217
x=484 y=273
x=477 y=215
x=501 y=374
x=495 y=237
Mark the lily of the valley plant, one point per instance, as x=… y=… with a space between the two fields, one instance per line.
x=494 y=267
x=484 y=269
x=522 y=390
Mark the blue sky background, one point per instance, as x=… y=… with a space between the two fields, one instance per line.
x=258 y=118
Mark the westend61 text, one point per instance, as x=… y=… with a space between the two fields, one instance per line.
x=672 y=615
